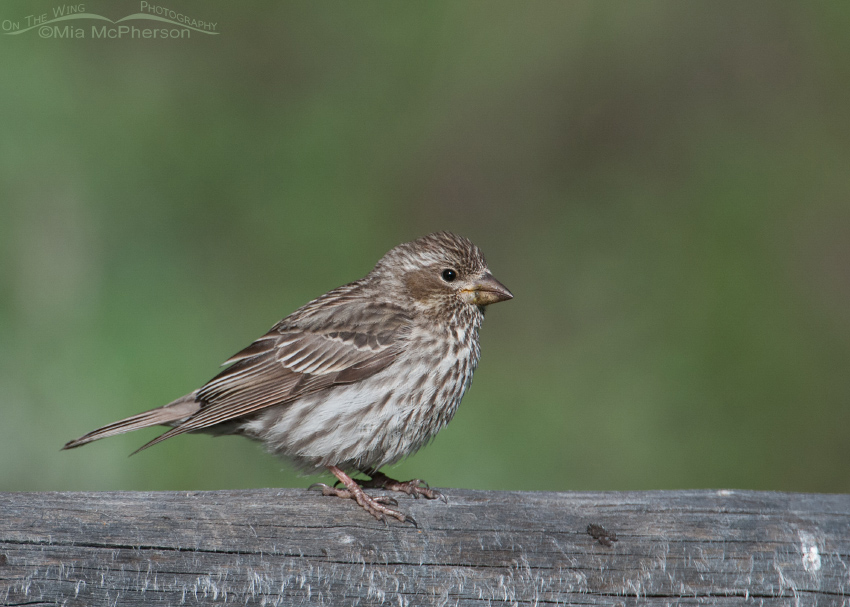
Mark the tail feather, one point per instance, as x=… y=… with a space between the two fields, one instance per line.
x=169 y=415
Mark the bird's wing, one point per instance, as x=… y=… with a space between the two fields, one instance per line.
x=301 y=355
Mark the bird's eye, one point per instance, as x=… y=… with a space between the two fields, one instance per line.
x=449 y=275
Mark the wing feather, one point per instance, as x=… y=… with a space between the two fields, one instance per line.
x=261 y=346
x=299 y=358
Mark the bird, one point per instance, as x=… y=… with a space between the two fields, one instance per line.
x=355 y=380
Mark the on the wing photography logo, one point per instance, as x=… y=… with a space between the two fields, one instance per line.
x=151 y=22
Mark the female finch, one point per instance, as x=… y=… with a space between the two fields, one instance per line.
x=358 y=378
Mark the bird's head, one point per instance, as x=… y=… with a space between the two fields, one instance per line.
x=438 y=271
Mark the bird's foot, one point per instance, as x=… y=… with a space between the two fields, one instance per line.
x=379 y=507
x=416 y=487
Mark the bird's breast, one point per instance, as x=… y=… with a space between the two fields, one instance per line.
x=384 y=417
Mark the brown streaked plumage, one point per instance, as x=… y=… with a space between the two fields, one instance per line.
x=356 y=379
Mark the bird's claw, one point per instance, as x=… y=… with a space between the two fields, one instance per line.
x=328 y=490
x=379 y=506
x=415 y=487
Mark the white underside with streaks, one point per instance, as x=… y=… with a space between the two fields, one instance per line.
x=385 y=417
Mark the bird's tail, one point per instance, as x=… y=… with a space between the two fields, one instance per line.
x=169 y=415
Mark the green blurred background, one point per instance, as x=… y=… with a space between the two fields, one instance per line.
x=663 y=185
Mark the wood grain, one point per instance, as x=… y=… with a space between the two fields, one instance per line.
x=294 y=547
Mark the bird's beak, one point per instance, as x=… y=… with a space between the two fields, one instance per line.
x=485 y=291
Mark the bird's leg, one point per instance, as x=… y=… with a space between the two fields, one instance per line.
x=376 y=506
x=416 y=487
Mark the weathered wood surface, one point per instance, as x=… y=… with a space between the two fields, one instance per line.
x=293 y=547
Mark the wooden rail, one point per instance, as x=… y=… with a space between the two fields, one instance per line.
x=294 y=547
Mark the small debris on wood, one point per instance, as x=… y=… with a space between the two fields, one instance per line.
x=601 y=535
